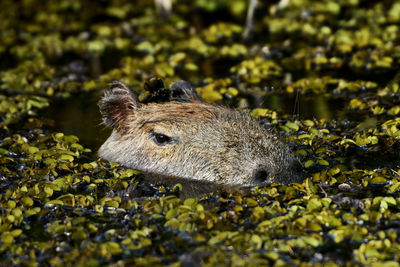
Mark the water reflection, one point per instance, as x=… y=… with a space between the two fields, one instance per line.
x=80 y=116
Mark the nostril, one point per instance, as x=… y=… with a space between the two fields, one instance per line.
x=261 y=176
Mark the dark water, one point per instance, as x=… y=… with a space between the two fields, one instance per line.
x=79 y=115
x=316 y=107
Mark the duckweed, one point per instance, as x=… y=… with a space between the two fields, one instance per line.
x=61 y=205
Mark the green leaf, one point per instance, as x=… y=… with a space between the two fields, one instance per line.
x=309 y=163
x=378 y=180
x=27 y=201
x=7 y=238
x=312 y=241
x=314 y=204
x=323 y=162
x=171 y=214
x=292 y=126
x=66 y=157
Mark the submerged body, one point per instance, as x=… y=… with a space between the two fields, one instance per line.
x=193 y=140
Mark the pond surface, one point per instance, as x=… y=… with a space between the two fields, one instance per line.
x=79 y=115
x=325 y=73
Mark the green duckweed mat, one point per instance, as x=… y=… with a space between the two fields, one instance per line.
x=323 y=74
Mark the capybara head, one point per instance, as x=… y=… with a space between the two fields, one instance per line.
x=188 y=138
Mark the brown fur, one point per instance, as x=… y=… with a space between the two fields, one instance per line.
x=193 y=140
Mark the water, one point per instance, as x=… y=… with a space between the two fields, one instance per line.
x=303 y=107
x=79 y=115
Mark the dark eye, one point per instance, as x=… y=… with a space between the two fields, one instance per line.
x=160 y=139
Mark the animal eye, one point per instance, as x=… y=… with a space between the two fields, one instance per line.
x=160 y=139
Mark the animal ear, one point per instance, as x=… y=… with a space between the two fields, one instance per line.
x=117 y=104
x=183 y=91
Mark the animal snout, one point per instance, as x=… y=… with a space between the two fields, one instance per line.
x=291 y=172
